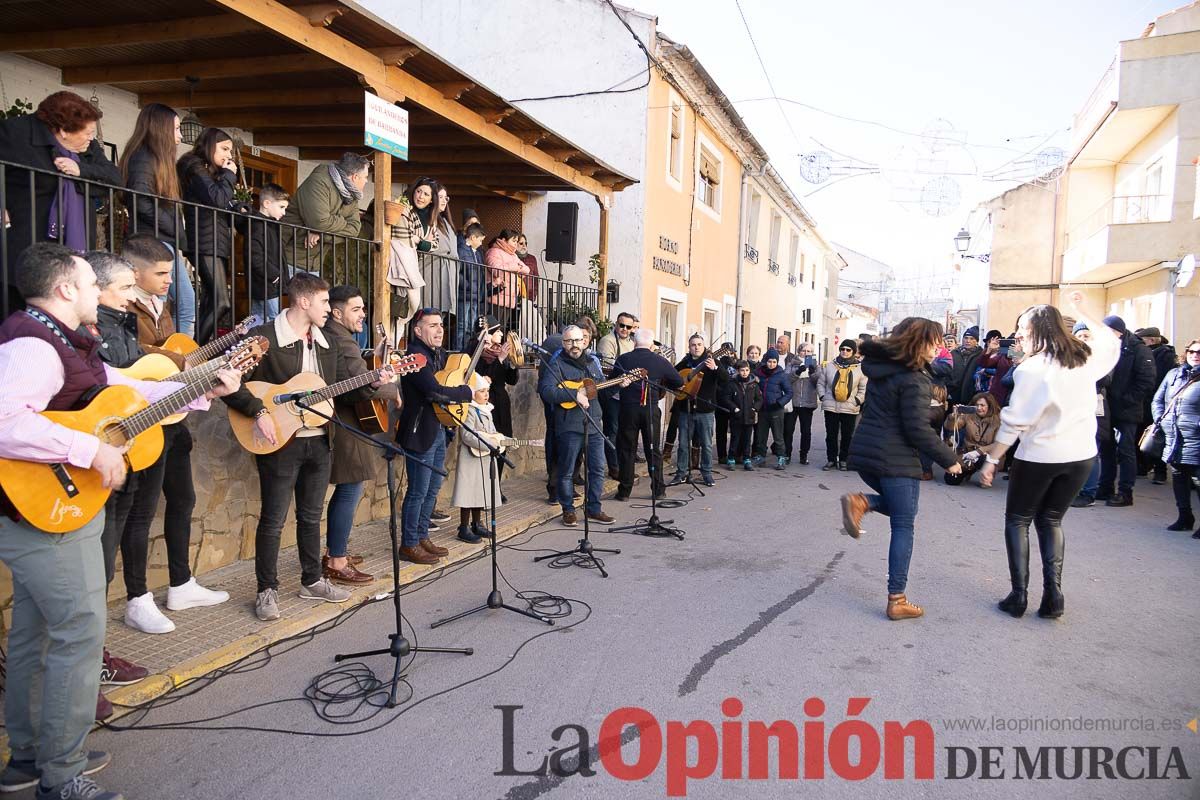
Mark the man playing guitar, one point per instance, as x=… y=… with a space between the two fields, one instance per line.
x=301 y=467
x=696 y=418
x=422 y=435
x=639 y=411
x=59 y=612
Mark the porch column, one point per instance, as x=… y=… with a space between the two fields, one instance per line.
x=381 y=291
x=602 y=276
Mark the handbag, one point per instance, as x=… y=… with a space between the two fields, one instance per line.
x=1154 y=438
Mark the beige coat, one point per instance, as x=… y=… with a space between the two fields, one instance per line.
x=471 y=474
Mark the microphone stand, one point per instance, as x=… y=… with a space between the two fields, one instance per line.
x=398 y=646
x=653 y=526
x=585 y=548
x=494 y=599
x=687 y=477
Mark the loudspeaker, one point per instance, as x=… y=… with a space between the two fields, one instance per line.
x=561 y=221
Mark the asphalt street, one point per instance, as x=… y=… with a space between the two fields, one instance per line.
x=763 y=601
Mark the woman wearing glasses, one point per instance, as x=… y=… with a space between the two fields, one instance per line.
x=1057 y=446
x=1177 y=407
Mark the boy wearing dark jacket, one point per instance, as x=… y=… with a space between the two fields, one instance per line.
x=266 y=254
x=743 y=397
x=776 y=393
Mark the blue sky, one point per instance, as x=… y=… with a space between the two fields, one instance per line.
x=1007 y=76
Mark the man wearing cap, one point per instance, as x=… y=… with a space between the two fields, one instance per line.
x=965 y=358
x=1165 y=360
x=1132 y=383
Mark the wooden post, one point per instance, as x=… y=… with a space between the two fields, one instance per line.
x=381 y=292
x=602 y=276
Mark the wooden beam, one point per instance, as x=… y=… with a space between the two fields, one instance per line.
x=602 y=273
x=396 y=56
x=287 y=24
x=380 y=289
x=561 y=153
x=250 y=119
x=178 y=70
x=344 y=138
x=466 y=190
x=588 y=169
x=453 y=90
x=512 y=181
x=496 y=117
x=321 y=15
x=255 y=98
x=533 y=138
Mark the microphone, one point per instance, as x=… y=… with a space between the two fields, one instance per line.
x=291 y=397
x=533 y=346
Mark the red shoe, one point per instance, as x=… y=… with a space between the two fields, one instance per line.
x=119 y=672
x=104 y=709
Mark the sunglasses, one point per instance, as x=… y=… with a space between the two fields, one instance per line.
x=1193 y=352
x=624 y=327
x=846 y=349
x=425 y=312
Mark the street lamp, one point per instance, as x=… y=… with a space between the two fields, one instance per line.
x=962 y=240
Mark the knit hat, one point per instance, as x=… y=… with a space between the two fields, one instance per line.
x=973 y=332
x=771 y=353
x=467 y=213
x=1155 y=332
x=1079 y=326
x=993 y=334
x=853 y=345
x=1116 y=323
x=478 y=382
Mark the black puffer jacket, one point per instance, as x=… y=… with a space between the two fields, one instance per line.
x=1132 y=380
x=894 y=424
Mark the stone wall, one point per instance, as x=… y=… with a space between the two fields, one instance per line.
x=227 y=504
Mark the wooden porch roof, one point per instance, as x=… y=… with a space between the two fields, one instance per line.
x=293 y=73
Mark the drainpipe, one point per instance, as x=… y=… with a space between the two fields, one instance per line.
x=741 y=260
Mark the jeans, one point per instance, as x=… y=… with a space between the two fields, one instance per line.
x=897 y=500
x=570 y=445
x=1092 y=485
x=1039 y=494
x=171 y=476
x=54 y=645
x=610 y=407
x=300 y=468
x=340 y=517
x=722 y=435
x=265 y=310
x=116 y=512
x=741 y=442
x=637 y=421
x=804 y=417
x=551 y=453
x=467 y=317
x=422 y=491
x=839 y=430
x=1119 y=452
x=770 y=423
x=183 y=295
x=694 y=426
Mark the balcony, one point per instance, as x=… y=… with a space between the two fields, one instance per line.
x=792 y=279
x=772 y=266
x=751 y=254
x=1125 y=234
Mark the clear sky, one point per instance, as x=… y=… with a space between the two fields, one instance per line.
x=1007 y=77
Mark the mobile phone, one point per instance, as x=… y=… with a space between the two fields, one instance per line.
x=965 y=409
x=1007 y=343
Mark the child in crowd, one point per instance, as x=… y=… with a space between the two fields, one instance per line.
x=743 y=396
x=267 y=261
x=471 y=477
x=979 y=423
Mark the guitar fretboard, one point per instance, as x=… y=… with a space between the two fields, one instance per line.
x=216 y=346
x=199 y=383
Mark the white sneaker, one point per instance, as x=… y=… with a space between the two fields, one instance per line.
x=324 y=590
x=193 y=595
x=143 y=615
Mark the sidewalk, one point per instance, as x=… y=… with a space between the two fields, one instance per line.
x=208 y=638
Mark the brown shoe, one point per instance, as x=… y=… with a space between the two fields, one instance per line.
x=433 y=549
x=353 y=561
x=898 y=607
x=854 y=508
x=569 y=519
x=601 y=517
x=926 y=475
x=347 y=574
x=104 y=709
x=417 y=555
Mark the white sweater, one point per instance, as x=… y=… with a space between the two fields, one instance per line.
x=1052 y=410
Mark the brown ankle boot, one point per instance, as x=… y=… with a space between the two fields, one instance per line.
x=854 y=508
x=433 y=549
x=898 y=607
x=417 y=555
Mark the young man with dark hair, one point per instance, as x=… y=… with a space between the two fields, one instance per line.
x=472 y=283
x=301 y=467
x=58 y=615
x=612 y=345
x=267 y=262
x=696 y=415
x=171 y=475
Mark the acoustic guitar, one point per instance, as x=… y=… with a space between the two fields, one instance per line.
x=374 y=415
x=194 y=355
x=509 y=443
x=458 y=370
x=692 y=378
x=60 y=498
x=158 y=367
x=591 y=388
x=292 y=416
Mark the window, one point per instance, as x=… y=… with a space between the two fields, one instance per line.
x=752 y=222
x=710 y=326
x=806 y=316
x=708 y=179
x=796 y=242
x=668 y=322
x=675 y=141
x=793 y=255
x=770 y=337
x=776 y=229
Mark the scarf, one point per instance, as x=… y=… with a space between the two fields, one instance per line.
x=341 y=182
x=506 y=246
x=425 y=215
x=69 y=203
x=845 y=362
x=153 y=303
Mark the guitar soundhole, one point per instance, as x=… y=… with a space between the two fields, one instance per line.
x=111 y=433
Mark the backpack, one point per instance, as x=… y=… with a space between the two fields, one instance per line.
x=841 y=383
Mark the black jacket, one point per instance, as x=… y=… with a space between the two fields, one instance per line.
x=1132 y=380
x=559 y=368
x=419 y=424
x=894 y=424
x=961 y=385
x=26 y=140
x=266 y=257
x=1165 y=360
x=658 y=370
x=118 y=336
x=161 y=220
x=712 y=385
x=742 y=397
x=210 y=233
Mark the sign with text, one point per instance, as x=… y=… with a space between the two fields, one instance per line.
x=386 y=126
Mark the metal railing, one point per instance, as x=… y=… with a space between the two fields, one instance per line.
x=792 y=279
x=772 y=266
x=237 y=262
x=751 y=254
x=1122 y=210
x=532 y=306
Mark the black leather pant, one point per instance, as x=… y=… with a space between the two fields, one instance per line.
x=1039 y=494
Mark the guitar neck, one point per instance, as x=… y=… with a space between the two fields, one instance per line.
x=199 y=383
x=348 y=385
x=212 y=349
x=608 y=383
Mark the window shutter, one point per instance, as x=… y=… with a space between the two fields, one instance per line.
x=676 y=122
x=709 y=170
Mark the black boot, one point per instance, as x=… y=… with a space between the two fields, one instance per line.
x=1185 y=521
x=1052 y=545
x=1016 y=543
x=467 y=535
